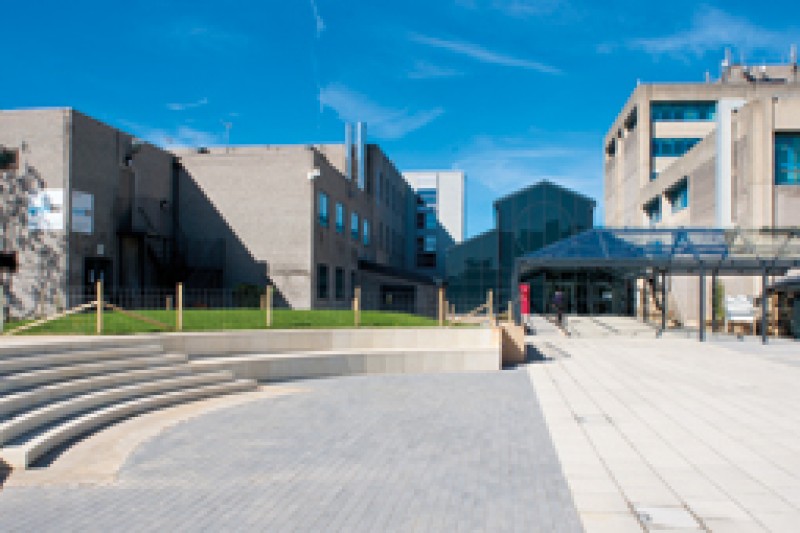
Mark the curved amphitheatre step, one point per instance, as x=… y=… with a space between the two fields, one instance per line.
x=24 y=454
x=32 y=378
x=18 y=401
x=52 y=393
x=30 y=420
x=22 y=362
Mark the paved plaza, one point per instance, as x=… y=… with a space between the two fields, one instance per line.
x=616 y=433
x=449 y=452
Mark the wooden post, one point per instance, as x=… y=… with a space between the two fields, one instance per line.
x=357 y=306
x=98 y=288
x=490 y=306
x=510 y=313
x=169 y=303
x=268 y=305
x=441 y=307
x=179 y=307
x=2 y=307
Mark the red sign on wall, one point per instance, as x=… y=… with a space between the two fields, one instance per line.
x=524 y=299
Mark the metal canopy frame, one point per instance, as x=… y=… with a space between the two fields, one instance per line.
x=645 y=252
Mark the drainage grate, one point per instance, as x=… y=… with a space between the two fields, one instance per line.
x=655 y=518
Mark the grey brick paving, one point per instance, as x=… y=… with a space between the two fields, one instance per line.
x=452 y=452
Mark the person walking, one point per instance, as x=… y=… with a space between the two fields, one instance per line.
x=558 y=307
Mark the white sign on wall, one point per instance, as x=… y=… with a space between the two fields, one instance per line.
x=82 y=212
x=46 y=210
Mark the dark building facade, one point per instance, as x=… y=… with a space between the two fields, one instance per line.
x=525 y=221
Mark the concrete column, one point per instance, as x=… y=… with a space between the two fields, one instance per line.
x=664 y=300
x=99 y=315
x=644 y=299
x=714 y=276
x=702 y=292
x=764 y=307
x=179 y=307
x=268 y=305
x=2 y=307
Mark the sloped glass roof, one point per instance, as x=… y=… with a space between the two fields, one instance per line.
x=677 y=250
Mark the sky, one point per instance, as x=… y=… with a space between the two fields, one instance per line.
x=510 y=91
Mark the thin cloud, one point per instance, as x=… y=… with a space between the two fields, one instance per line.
x=320 y=24
x=194 y=34
x=188 y=105
x=507 y=164
x=516 y=8
x=383 y=122
x=713 y=29
x=423 y=70
x=483 y=55
x=180 y=137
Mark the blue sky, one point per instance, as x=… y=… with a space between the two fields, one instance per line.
x=511 y=91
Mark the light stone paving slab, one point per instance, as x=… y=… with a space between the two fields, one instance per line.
x=712 y=428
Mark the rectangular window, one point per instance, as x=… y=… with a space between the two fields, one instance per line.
x=653 y=210
x=420 y=220
x=339 y=283
x=322 y=209
x=366 y=232
x=672 y=147
x=430 y=243
x=683 y=111
x=354 y=225
x=430 y=220
x=426 y=197
x=787 y=158
x=9 y=160
x=322 y=282
x=339 y=218
x=679 y=195
x=425 y=260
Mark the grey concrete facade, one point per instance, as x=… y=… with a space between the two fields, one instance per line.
x=729 y=171
x=120 y=235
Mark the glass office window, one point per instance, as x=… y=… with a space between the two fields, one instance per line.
x=430 y=243
x=354 y=225
x=322 y=281
x=430 y=220
x=672 y=147
x=339 y=218
x=366 y=232
x=653 y=210
x=679 y=196
x=339 y=283
x=683 y=111
x=426 y=197
x=787 y=158
x=322 y=209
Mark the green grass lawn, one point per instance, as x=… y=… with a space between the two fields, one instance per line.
x=115 y=323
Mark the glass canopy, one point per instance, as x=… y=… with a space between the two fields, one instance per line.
x=688 y=250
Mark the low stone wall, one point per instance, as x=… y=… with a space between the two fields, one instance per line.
x=292 y=354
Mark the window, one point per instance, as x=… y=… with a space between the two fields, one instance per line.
x=366 y=232
x=322 y=282
x=322 y=209
x=420 y=220
x=8 y=159
x=679 y=195
x=672 y=147
x=430 y=243
x=339 y=283
x=339 y=218
x=426 y=260
x=354 y=225
x=653 y=210
x=426 y=197
x=430 y=220
x=787 y=158
x=682 y=111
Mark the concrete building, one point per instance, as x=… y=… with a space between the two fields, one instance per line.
x=313 y=220
x=717 y=154
x=440 y=216
x=85 y=202
x=82 y=201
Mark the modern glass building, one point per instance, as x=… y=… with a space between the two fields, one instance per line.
x=525 y=221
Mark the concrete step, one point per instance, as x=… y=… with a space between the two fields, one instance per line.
x=23 y=454
x=18 y=363
x=33 y=378
x=32 y=398
x=31 y=420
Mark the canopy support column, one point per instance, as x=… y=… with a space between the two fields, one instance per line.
x=764 y=306
x=702 y=292
x=714 y=310
x=663 y=300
